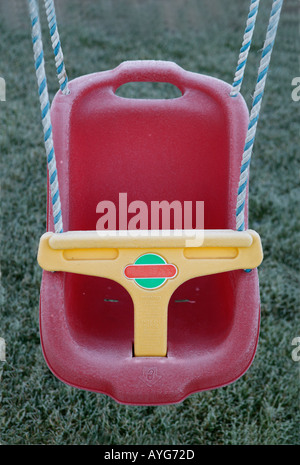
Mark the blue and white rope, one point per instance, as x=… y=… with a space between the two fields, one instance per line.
x=254 y=114
x=45 y=110
x=56 y=45
x=244 y=51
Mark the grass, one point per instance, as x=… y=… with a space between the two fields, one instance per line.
x=202 y=36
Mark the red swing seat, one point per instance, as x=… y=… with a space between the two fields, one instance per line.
x=187 y=149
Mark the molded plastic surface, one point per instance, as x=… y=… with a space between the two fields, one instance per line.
x=186 y=149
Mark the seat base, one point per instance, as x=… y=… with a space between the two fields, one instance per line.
x=213 y=328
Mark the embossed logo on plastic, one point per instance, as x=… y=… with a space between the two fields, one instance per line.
x=150 y=376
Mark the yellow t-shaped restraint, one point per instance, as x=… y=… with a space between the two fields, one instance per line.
x=150 y=265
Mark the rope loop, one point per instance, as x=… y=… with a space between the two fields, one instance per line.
x=255 y=111
x=45 y=111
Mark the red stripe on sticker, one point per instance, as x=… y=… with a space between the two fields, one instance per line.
x=150 y=271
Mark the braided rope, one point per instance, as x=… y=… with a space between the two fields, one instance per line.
x=244 y=51
x=254 y=115
x=56 y=45
x=45 y=110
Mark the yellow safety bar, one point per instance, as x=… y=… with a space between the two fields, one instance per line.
x=150 y=265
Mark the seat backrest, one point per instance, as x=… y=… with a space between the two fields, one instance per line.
x=187 y=148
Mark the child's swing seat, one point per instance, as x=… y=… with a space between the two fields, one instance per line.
x=199 y=330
